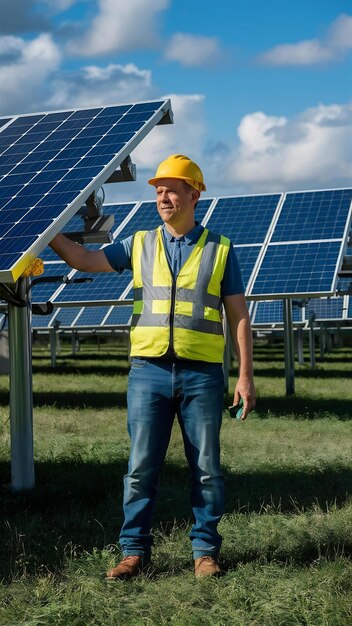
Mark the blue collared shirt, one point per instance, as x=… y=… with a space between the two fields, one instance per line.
x=177 y=251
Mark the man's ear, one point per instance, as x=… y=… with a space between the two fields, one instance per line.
x=195 y=195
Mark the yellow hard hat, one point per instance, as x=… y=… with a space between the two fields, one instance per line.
x=180 y=166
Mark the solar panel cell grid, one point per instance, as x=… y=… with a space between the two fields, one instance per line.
x=247 y=256
x=272 y=312
x=42 y=292
x=244 y=219
x=313 y=215
x=66 y=316
x=92 y=316
x=119 y=315
x=326 y=308
x=104 y=288
x=297 y=268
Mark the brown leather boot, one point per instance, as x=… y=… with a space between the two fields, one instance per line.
x=130 y=566
x=206 y=566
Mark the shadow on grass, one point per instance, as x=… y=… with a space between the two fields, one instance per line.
x=279 y=372
x=64 y=369
x=82 y=356
x=76 y=507
x=299 y=407
x=74 y=399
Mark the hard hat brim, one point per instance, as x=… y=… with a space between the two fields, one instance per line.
x=199 y=186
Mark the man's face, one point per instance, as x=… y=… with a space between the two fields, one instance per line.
x=175 y=201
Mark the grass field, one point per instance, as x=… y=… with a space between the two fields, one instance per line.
x=287 y=529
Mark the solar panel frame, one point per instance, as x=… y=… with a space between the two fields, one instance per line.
x=70 y=201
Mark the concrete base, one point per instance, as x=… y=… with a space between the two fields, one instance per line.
x=4 y=353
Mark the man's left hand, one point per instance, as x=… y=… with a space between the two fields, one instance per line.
x=245 y=389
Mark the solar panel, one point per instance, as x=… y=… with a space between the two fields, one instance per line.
x=326 y=308
x=42 y=321
x=268 y=312
x=307 y=268
x=92 y=316
x=247 y=257
x=51 y=164
x=305 y=250
x=119 y=315
x=313 y=215
x=244 y=219
x=42 y=292
x=67 y=316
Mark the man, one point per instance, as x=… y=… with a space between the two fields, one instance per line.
x=182 y=274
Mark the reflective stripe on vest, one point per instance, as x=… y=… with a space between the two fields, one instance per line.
x=185 y=314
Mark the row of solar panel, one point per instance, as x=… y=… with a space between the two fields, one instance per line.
x=269 y=269
x=262 y=313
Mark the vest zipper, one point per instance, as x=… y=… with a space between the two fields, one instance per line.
x=172 y=316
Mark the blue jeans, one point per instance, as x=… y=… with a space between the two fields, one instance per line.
x=157 y=391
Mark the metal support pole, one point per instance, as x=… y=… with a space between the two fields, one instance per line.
x=21 y=400
x=311 y=342
x=289 y=348
x=339 y=342
x=73 y=343
x=328 y=341
x=53 y=347
x=322 y=340
x=300 y=345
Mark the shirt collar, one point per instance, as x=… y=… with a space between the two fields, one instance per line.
x=190 y=238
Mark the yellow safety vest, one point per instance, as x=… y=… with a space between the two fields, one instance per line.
x=182 y=314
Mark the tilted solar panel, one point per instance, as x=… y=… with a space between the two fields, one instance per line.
x=305 y=250
x=247 y=257
x=244 y=219
x=326 y=308
x=313 y=215
x=119 y=315
x=50 y=164
x=92 y=316
x=305 y=268
x=67 y=316
x=268 y=312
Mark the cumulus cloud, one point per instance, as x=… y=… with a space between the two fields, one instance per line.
x=280 y=153
x=334 y=46
x=185 y=136
x=92 y=85
x=25 y=68
x=193 y=50
x=121 y=26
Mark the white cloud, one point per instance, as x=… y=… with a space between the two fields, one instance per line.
x=274 y=153
x=334 y=46
x=93 y=85
x=25 y=68
x=185 y=136
x=193 y=50
x=121 y=26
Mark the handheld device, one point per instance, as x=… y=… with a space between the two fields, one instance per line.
x=236 y=410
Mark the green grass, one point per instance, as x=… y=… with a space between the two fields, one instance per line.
x=287 y=528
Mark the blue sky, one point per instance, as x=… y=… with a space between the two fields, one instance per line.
x=261 y=91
